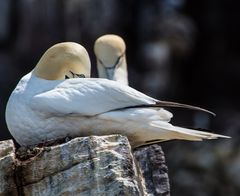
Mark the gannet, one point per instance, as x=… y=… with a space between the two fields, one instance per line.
x=54 y=101
x=110 y=52
x=111 y=58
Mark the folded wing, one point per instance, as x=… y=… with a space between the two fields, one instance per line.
x=91 y=96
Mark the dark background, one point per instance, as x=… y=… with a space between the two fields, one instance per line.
x=184 y=51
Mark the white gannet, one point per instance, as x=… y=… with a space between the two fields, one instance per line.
x=52 y=102
x=111 y=58
x=110 y=54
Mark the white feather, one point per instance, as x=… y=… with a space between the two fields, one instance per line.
x=39 y=110
x=157 y=122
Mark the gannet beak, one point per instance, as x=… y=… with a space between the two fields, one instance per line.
x=110 y=73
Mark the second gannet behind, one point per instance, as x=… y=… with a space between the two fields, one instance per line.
x=111 y=58
x=52 y=102
x=110 y=52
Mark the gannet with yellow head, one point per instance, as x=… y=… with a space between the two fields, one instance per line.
x=52 y=102
x=110 y=51
x=73 y=62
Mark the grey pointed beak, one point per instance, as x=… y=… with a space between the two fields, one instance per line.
x=110 y=72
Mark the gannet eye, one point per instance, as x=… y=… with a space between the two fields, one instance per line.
x=80 y=75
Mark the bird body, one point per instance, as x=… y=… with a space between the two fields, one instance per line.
x=41 y=109
x=49 y=109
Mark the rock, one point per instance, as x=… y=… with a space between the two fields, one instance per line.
x=95 y=165
x=152 y=164
x=7 y=167
x=86 y=166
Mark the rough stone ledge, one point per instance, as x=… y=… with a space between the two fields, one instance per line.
x=95 y=165
x=88 y=166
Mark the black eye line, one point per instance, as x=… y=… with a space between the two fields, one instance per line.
x=101 y=62
x=114 y=65
x=117 y=61
x=73 y=75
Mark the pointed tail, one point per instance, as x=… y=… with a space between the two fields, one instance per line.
x=166 y=133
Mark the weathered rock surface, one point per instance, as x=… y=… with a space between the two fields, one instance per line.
x=86 y=166
x=152 y=164
x=83 y=166
x=95 y=165
x=7 y=166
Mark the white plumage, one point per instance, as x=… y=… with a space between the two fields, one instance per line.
x=110 y=52
x=45 y=106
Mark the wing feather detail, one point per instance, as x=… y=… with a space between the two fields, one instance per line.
x=91 y=96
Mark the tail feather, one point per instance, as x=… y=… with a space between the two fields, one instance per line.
x=169 y=132
x=203 y=134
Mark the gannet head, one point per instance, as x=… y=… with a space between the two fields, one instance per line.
x=62 y=61
x=111 y=60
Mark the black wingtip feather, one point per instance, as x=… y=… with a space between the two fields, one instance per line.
x=164 y=104
x=180 y=105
